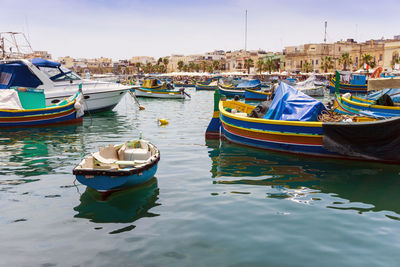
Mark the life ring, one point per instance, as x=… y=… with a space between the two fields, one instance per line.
x=377 y=73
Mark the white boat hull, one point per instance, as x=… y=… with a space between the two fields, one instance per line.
x=97 y=96
x=143 y=93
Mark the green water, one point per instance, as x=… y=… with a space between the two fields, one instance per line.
x=210 y=204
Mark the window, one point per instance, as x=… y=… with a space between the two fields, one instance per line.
x=316 y=62
x=312 y=62
x=380 y=57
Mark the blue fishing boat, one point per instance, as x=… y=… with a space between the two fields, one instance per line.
x=154 y=88
x=253 y=95
x=230 y=90
x=290 y=124
x=357 y=85
x=116 y=167
x=22 y=107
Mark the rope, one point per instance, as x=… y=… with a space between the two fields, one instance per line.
x=326 y=116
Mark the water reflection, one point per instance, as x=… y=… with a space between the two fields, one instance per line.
x=125 y=206
x=36 y=151
x=364 y=186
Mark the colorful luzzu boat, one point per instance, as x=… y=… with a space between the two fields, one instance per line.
x=231 y=90
x=298 y=131
x=253 y=95
x=357 y=85
x=116 y=167
x=352 y=105
x=153 y=88
x=207 y=86
x=22 y=107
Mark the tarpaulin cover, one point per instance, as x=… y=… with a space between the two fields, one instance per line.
x=393 y=93
x=9 y=100
x=17 y=74
x=369 y=140
x=248 y=83
x=40 y=62
x=293 y=105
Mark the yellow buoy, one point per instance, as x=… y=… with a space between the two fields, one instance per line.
x=163 y=121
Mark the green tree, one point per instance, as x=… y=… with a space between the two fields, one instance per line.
x=326 y=63
x=191 y=66
x=307 y=67
x=395 y=60
x=159 y=61
x=138 y=65
x=260 y=65
x=185 y=68
x=166 y=61
x=346 y=60
x=210 y=68
x=197 y=67
x=216 y=65
x=203 y=66
x=368 y=59
x=180 y=65
x=248 y=63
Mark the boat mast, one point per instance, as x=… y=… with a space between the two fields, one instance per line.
x=326 y=25
x=245 y=33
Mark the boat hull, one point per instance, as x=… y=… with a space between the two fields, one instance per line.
x=104 y=183
x=93 y=101
x=253 y=95
x=337 y=140
x=39 y=117
x=317 y=91
x=203 y=87
x=142 y=92
x=348 y=88
x=231 y=92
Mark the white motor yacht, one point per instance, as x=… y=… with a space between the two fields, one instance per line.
x=59 y=82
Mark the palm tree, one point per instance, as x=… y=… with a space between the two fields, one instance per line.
x=260 y=65
x=216 y=64
x=185 y=68
x=197 y=67
x=191 y=66
x=210 y=68
x=269 y=65
x=248 y=63
x=138 y=65
x=346 y=60
x=159 y=61
x=307 y=67
x=180 y=65
x=395 y=60
x=166 y=61
x=326 y=63
x=368 y=59
x=203 y=65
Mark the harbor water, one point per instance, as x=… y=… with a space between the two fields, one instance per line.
x=211 y=203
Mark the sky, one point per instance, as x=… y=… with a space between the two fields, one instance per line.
x=120 y=29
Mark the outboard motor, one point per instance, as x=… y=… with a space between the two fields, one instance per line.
x=260 y=110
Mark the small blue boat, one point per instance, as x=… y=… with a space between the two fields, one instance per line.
x=116 y=167
x=253 y=95
x=239 y=89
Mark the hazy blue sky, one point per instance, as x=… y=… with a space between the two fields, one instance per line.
x=121 y=29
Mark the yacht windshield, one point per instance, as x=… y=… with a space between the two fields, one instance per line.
x=59 y=73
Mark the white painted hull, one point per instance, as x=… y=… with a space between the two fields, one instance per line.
x=143 y=93
x=318 y=91
x=98 y=96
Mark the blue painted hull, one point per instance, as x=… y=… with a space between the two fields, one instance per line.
x=231 y=92
x=256 y=96
x=106 y=183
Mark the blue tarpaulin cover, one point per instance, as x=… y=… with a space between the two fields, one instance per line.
x=40 y=62
x=393 y=93
x=248 y=83
x=17 y=74
x=292 y=105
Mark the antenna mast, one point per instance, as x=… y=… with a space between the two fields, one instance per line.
x=245 y=33
x=326 y=25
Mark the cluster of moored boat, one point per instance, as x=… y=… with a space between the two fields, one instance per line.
x=40 y=92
